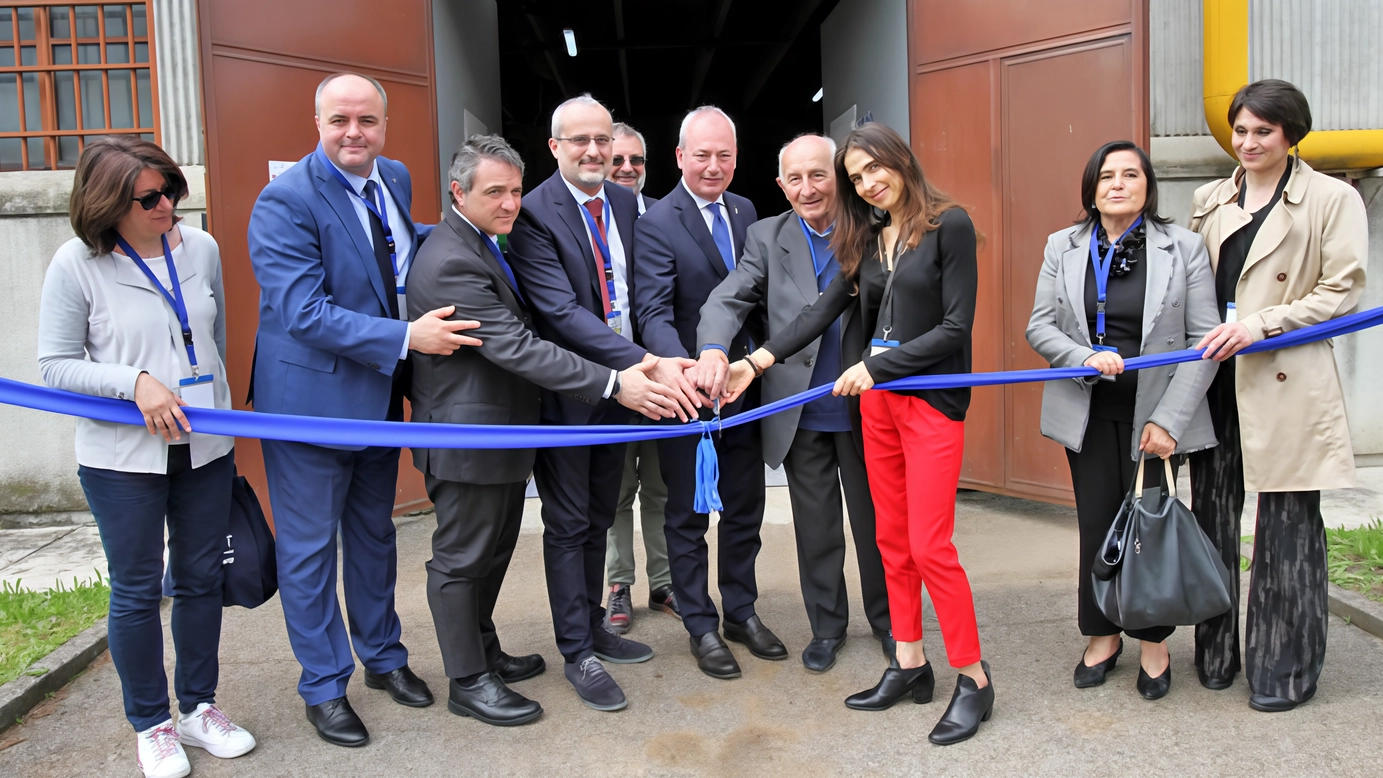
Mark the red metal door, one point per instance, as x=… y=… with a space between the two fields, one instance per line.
x=261 y=63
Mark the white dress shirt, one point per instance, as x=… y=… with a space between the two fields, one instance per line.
x=621 y=301
x=643 y=206
x=706 y=214
x=398 y=221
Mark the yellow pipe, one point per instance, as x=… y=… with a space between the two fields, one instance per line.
x=1226 y=69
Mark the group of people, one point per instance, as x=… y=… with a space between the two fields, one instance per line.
x=610 y=307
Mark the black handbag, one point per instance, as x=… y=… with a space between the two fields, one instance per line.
x=251 y=569
x=1156 y=567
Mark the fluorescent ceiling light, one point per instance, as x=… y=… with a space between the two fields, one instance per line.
x=571 y=42
x=816 y=98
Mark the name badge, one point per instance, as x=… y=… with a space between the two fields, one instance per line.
x=198 y=391
x=403 y=302
x=1098 y=347
x=616 y=322
x=1231 y=314
x=878 y=346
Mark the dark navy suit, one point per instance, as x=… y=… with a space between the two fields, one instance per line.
x=676 y=265
x=552 y=257
x=327 y=346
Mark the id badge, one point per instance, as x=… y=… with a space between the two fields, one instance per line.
x=1231 y=314
x=1098 y=347
x=616 y=322
x=403 y=302
x=199 y=391
x=878 y=346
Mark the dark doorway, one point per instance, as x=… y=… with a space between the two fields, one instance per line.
x=650 y=62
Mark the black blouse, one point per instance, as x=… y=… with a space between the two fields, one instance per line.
x=1115 y=400
x=933 y=312
x=1234 y=251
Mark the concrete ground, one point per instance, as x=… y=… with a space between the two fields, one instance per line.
x=776 y=720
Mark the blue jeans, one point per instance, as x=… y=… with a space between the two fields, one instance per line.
x=130 y=509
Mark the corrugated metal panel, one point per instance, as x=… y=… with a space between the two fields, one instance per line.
x=1329 y=49
x=1174 y=53
x=179 y=83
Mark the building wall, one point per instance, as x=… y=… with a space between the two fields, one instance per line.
x=864 y=63
x=465 y=37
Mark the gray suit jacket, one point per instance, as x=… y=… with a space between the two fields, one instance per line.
x=1178 y=310
x=497 y=382
x=775 y=271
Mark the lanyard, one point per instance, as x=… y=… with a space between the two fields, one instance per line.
x=1102 y=272
x=175 y=299
x=595 y=232
x=886 y=302
x=811 y=246
x=378 y=209
x=503 y=265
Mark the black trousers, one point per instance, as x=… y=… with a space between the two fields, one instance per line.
x=1289 y=598
x=740 y=452
x=1101 y=474
x=477 y=527
x=817 y=464
x=579 y=487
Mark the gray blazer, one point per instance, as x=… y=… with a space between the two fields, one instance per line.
x=101 y=323
x=775 y=271
x=497 y=382
x=1178 y=310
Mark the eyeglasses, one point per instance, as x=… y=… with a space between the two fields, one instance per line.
x=150 y=201
x=636 y=160
x=582 y=141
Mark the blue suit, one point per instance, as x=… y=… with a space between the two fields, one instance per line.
x=327 y=346
x=552 y=256
x=676 y=266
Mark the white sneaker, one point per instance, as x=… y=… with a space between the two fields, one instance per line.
x=207 y=727
x=160 y=754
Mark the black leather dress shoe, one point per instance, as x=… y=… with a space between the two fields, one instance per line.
x=487 y=699
x=1215 y=683
x=1270 y=704
x=969 y=706
x=820 y=654
x=714 y=657
x=1154 y=688
x=1093 y=675
x=760 y=640
x=512 y=669
x=337 y=723
x=405 y=687
x=896 y=684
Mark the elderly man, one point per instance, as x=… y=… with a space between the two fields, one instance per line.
x=570 y=252
x=330 y=242
x=479 y=493
x=641 y=476
x=787 y=263
x=685 y=245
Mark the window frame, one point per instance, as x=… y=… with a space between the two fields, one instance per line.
x=46 y=71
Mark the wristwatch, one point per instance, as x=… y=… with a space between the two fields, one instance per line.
x=614 y=390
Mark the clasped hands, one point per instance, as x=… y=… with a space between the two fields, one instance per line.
x=715 y=377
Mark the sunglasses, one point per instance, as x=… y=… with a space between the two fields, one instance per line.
x=150 y=201
x=636 y=160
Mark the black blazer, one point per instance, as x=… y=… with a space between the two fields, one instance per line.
x=497 y=382
x=555 y=265
x=677 y=264
x=933 y=311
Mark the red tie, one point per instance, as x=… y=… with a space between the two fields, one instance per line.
x=596 y=207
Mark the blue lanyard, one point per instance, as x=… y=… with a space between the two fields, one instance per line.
x=806 y=233
x=378 y=209
x=499 y=257
x=175 y=299
x=1102 y=272
x=604 y=248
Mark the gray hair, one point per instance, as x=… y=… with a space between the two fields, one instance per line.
x=581 y=99
x=467 y=159
x=317 y=100
x=705 y=109
x=623 y=130
x=831 y=144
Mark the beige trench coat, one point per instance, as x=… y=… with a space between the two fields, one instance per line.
x=1306 y=266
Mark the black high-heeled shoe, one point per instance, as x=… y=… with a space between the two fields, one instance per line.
x=1154 y=688
x=895 y=684
x=1093 y=675
x=969 y=706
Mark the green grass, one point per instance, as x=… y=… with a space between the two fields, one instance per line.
x=32 y=624
x=1355 y=558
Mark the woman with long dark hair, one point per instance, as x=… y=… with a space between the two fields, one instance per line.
x=1288 y=246
x=1121 y=283
x=907 y=259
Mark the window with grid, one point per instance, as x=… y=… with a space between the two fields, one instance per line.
x=73 y=72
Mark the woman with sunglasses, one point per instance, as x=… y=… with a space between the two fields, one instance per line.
x=907 y=259
x=133 y=309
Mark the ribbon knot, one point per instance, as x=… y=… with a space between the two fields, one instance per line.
x=707 y=495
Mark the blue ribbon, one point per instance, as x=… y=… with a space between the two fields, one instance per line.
x=357 y=432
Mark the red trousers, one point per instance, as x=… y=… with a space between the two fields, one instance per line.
x=913 y=455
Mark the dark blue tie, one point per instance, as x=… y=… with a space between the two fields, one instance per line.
x=503 y=265
x=720 y=233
